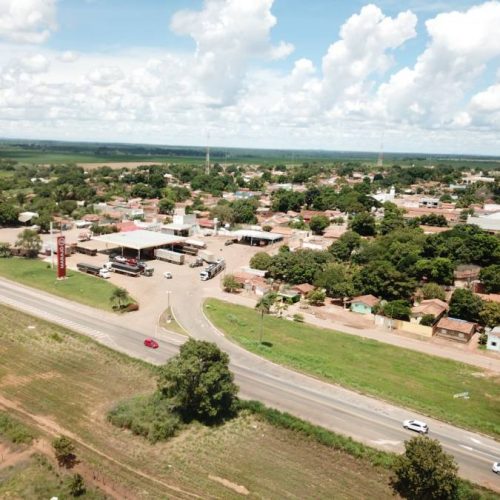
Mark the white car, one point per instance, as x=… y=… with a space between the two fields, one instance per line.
x=416 y=425
x=167 y=275
x=496 y=467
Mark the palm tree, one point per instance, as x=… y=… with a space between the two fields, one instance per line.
x=264 y=305
x=119 y=298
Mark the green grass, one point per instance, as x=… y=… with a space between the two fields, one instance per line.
x=79 y=287
x=408 y=378
x=37 y=479
x=14 y=430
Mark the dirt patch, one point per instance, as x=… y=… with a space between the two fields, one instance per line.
x=228 y=484
x=10 y=457
x=20 y=380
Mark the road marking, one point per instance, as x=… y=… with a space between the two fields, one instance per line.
x=468 y=448
x=475 y=440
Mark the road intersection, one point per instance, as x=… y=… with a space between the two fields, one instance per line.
x=363 y=418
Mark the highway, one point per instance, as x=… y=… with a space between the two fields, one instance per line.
x=363 y=418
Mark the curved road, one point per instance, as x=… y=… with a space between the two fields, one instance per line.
x=365 y=419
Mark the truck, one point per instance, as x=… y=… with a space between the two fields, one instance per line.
x=207 y=256
x=118 y=267
x=100 y=271
x=87 y=251
x=169 y=256
x=213 y=270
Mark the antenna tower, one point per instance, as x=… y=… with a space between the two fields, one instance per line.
x=207 y=159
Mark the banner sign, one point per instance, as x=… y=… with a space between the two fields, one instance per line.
x=61 y=257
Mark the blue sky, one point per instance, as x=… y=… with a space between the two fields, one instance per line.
x=282 y=73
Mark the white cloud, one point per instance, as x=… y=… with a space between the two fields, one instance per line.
x=461 y=44
x=68 y=56
x=27 y=21
x=362 y=50
x=106 y=75
x=228 y=35
x=37 y=63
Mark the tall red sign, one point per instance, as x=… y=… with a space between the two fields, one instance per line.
x=61 y=257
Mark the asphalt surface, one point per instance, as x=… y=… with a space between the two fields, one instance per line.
x=371 y=421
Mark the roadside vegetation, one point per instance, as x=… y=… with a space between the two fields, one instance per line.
x=79 y=287
x=14 y=431
x=411 y=379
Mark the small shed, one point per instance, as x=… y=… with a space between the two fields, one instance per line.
x=455 y=329
x=364 y=304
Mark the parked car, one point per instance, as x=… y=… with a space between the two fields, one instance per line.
x=496 y=467
x=151 y=343
x=229 y=242
x=416 y=425
x=167 y=275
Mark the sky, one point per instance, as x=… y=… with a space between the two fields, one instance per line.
x=410 y=76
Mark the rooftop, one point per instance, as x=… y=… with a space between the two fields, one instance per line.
x=262 y=235
x=139 y=240
x=458 y=325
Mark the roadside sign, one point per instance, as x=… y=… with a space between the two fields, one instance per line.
x=61 y=257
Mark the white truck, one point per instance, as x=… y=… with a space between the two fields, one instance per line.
x=100 y=271
x=207 y=256
x=169 y=256
x=213 y=270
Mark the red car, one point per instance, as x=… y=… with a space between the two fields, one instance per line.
x=151 y=343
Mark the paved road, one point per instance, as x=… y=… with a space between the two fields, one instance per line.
x=365 y=419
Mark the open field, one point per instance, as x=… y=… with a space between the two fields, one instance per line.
x=408 y=378
x=79 y=287
x=60 y=380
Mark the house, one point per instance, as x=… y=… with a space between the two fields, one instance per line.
x=493 y=343
x=364 y=304
x=429 y=202
x=303 y=289
x=489 y=297
x=455 y=329
x=435 y=307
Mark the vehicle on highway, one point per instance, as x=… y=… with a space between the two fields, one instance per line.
x=168 y=275
x=151 y=343
x=416 y=425
x=496 y=467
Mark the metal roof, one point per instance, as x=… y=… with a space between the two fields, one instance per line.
x=258 y=235
x=139 y=240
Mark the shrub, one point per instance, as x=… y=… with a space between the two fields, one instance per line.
x=76 y=486
x=147 y=416
x=64 y=450
x=428 y=320
x=14 y=431
x=299 y=318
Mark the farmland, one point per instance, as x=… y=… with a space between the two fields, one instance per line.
x=55 y=379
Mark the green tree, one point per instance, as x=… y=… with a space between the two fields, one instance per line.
x=433 y=291
x=264 y=306
x=343 y=248
x=428 y=320
x=166 y=206
x=319 y=223
x=76 y=486
x=490 y=278
x=465 y=305
x=363 y=224
x=244 y=211
x=382 y=279
x=490 y=314
x=64 y=450
x=439 y=270
x=43 y=221
x=316 y=297
x=30 y=242
x=198 y=383
x=397 y=309
x=8 y=214
x=425 y=472
x=230 y=284
x=119 y=298
x=4 y=250
x=261 y=261
x=336 y=279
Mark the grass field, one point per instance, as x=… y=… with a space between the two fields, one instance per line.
x=424 y=383
x=72 y=382
x=79 y=287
